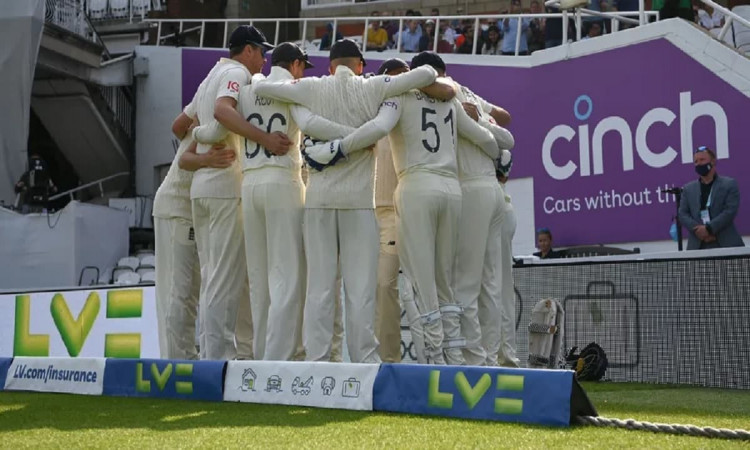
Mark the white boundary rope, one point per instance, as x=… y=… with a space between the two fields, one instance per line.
x=691 y=430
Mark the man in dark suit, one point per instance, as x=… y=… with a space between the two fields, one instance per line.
x=709 y=205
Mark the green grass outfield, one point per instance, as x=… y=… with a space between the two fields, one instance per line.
x=68 y=421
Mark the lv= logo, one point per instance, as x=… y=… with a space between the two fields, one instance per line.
x=473 y=394
x=121 y=304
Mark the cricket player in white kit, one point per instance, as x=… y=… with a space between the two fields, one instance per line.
x=498 y=292
x=178 y=279
x=339 y=218
x=388 y=311
x=428 y=204
x=215 y=195
x=483 y=212
x=273 y=206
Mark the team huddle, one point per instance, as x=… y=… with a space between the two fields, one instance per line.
x=405 y=172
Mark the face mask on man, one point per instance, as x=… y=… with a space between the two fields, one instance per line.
x=703 y=169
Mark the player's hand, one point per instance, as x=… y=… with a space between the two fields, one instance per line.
x=472 y=110
x=320 y=156
x=220 y=157
x=277 y=143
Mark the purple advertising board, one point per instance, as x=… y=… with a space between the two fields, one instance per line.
x=601 y=135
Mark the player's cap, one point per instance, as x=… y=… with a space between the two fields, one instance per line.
x=428 y=59
x=248 y=34
x=392 y=64
x=289 y=52
x=346 y=48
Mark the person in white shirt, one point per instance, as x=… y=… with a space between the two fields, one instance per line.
x=177 y=270
x=422 y=132
x=215 y=197
x=273 y=205
x=339 y=222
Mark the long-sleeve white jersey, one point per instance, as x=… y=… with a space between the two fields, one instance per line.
x=172 y=199
x=472 y=161
x=350 y=100
x=270 y=116
x=422 y=132
x=225 y=80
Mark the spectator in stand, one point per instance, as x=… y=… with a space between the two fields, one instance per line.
x=669 y=9
x=594 y=30
x=544 y=243
x=510 y=31
x=391 y=27
x=435 y=12
x=410 y=36
x=448 y=33
x=553 y=29
x=709 y=18
x=535 y=36
x=595 y=5
x=625 y=6
x=492 y=45
x=377 y=37
x=465 y=42
x=325 y=41
x=427 y=41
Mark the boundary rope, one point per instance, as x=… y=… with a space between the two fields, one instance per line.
x=691 y=430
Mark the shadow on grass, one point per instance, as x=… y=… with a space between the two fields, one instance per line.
x=33 y=411
x=680 y=402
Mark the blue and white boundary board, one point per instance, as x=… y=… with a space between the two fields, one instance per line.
x=536 y=396
x=161 y=378
x=546 y=397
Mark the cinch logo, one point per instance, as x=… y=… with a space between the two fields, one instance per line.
x=127 y=303
x=590 y=147
x=162 y=377
x=473 y=394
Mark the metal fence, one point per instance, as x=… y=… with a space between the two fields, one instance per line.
x=670 y=321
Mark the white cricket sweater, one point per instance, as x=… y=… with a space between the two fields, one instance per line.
x=172 y=199
x=225 y=80
x=350 y=100
x=473 y=162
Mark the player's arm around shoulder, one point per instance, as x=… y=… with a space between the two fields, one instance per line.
x=217 y=157
x=442 y=89
x=291 y=91
x=475 y=133
x=398 y=84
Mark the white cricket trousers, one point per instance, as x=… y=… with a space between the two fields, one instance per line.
x=388 y=310
x=272 y=209
x=218 y=233
x=178 y=283
x=497 y=296
x=352 y=236
x=428 y=207
x=506 y=356
x=482 y=212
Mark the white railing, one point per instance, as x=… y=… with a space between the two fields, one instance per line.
x=67 y=14
x=99 y=182
x=122 y=10
x=197 y=27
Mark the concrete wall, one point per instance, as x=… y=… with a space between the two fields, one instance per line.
x=159 y=101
